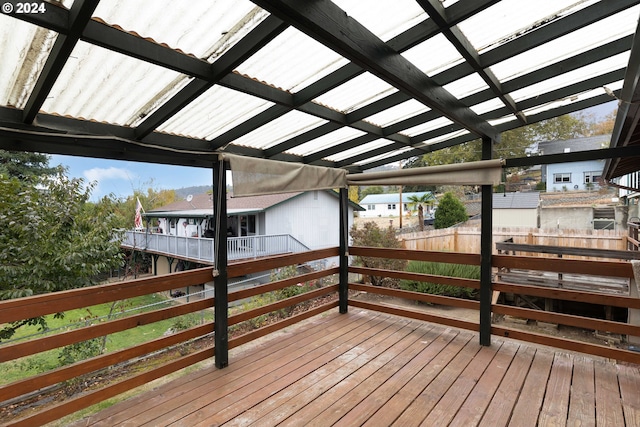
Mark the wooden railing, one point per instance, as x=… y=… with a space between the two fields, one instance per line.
x=612 y=269
x=15 y=310
x=41 y=305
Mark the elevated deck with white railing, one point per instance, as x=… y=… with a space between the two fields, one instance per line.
x=202 y=250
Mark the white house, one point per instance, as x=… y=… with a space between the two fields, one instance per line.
x=310 y=217
x=570 y=176
x=516 y=209
x=388 y=205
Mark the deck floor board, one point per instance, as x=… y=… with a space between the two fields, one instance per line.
x=373 y=369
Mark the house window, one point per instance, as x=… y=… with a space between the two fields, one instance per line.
x=371 y=207
x=561 y=177
x=591 y=177
x=391 y=206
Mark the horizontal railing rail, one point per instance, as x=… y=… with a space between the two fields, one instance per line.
x=48 y=304
x=202 y=249
x=613 y=269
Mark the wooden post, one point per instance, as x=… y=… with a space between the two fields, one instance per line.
x=343 y=290
x=221 y=315
x=486 y=234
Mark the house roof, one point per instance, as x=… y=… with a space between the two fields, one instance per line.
x=526 y=200
x=345 y=83
x=374 y=199
x=573 y=145
x=202 y=204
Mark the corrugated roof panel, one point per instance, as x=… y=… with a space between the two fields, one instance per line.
x=326 y=141
x=102 y=85
x=281 y=129
x=210 y=114
x=398 y=113
x=434 y=55
x=199 y=27
x=385 y=18
x=486 y=106
x=586 y=38
x=427 y=126
x=445 y=137
x=356 y=93
x=509 y=19
x=571 y=99
x=364 y=148
x=292 y=61
x=613 y=63
x=24 y=48
x=466 y=86
x=384 y=156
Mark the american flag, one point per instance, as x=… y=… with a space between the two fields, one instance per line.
x=139 y=210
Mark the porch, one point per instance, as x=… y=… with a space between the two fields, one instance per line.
x=370 y=368
x=371 y=360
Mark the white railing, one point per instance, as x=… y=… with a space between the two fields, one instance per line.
x=202 y=249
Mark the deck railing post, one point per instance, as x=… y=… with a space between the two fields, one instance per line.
x=343 y=289
x=221 y=339
x=486 y=234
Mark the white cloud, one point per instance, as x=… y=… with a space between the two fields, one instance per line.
x=103 y=174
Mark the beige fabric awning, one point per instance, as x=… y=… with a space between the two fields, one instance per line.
x=252 y=176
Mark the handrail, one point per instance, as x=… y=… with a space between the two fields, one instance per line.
x=201 y=249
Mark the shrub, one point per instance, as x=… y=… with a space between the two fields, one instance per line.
x=441 y=269
x=450 y=211
x=373 y=236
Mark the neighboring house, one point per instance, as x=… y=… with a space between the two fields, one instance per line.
x=311 y=217
x=570 y=176
x=388 y=205
x=516 y=209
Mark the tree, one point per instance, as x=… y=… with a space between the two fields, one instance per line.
x=374 y=189
x=450 y=211
x=151 y=199
x=25 y=166
x=416 y=202
x=52 y=239
x=373 y=236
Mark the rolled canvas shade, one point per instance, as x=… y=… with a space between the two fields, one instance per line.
x=483 y=172
x=252 y=176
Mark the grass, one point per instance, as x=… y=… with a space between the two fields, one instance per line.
x=32 y=365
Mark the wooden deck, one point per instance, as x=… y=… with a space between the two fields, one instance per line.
x=367 y=368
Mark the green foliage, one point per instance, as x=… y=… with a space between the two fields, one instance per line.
x=373 y=189
x=441 y=269
x=187 y=321
x=450 y=211
x=80 y=351
x=25 y=166
x=151 y=199
x=52 y=239
x=373 y=236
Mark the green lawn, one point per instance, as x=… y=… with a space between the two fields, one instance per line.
x=42 y=362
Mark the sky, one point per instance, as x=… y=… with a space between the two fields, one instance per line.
x=122 y=178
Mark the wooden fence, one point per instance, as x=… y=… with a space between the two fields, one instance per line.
x=467 y=239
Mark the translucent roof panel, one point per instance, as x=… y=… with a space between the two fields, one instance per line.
x=364 y=148
x=579 y=41
x=129 y=88
x=486 y=106
x=326 y=141
x=428 y=126
x=190 y=25
x=382 y=157
x=515 y=17
x=444 y=137
x=210 y=114
x=601 y=67
x=356 y=93
x=292 y=61
x=25 y=48
x=398 y=113
x=571 y=99
x=279 y=130
x=385 y=18
x=434 y=55
x=466 y=86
